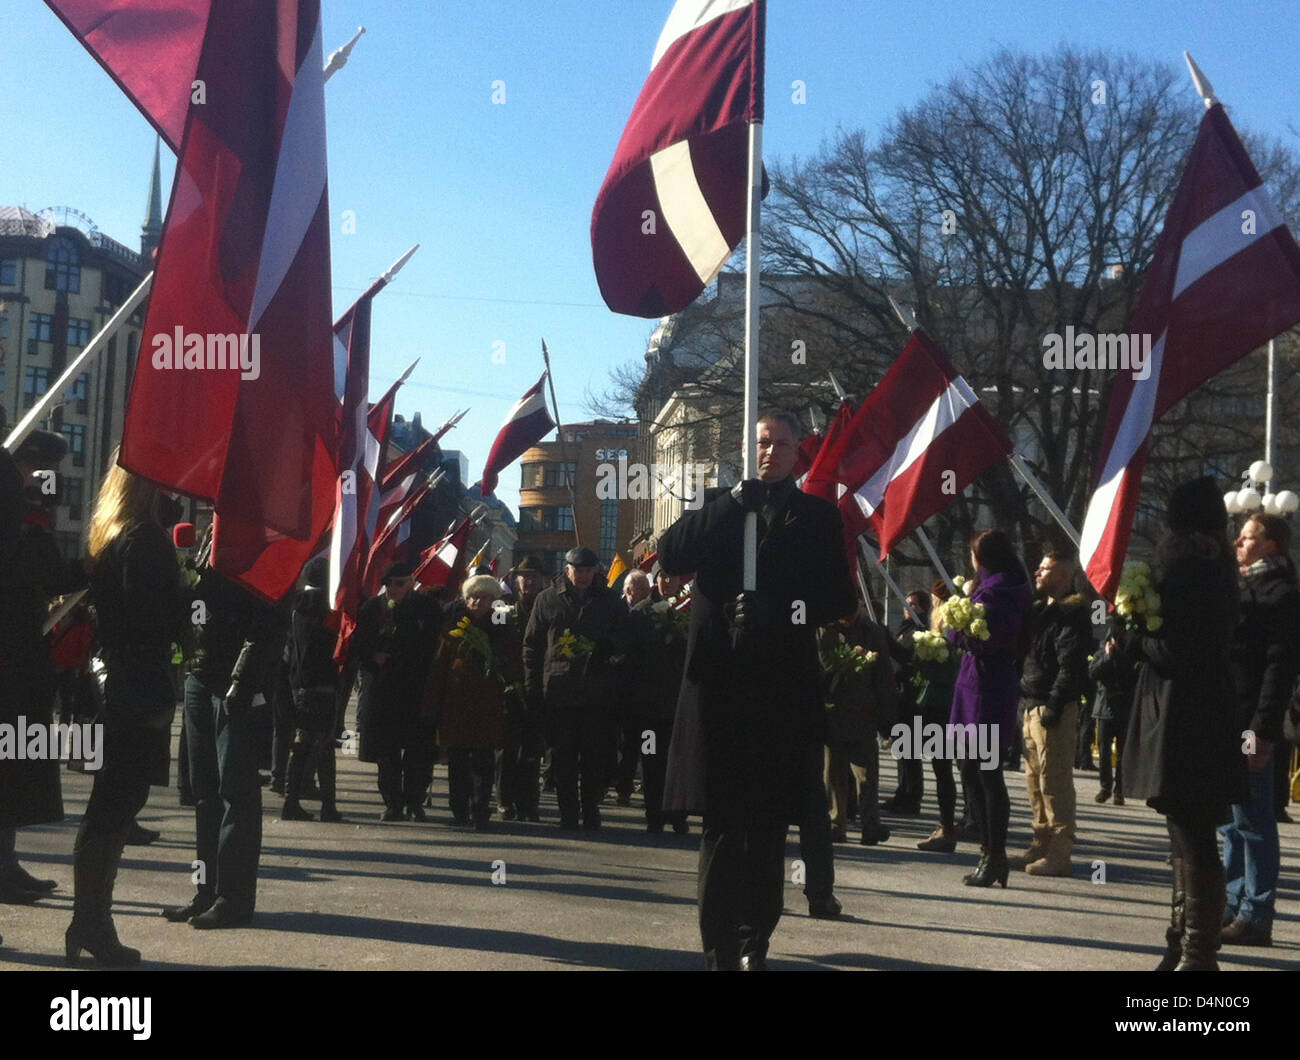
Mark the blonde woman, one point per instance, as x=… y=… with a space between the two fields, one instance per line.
x=136 y=587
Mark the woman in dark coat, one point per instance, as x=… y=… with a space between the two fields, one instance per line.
x=987 y=690
x=1115 y=676
x=468 y=691
x=1183 y=751
x=140 y=606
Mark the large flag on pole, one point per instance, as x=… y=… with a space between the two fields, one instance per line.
x=672 y=207
x=524 y=427
x=1224 y=279
x=233 y=396
x=919 y=439
x=444 y=563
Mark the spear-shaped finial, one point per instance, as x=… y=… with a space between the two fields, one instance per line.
x=396 y=266
x=839 y=390
x=339 y=56
x=1203 y=87
x=904 y=314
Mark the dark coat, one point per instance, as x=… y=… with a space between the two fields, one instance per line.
x=987 y=689
x=140 y=609
x=1115 y=677
x=658 y=660
x=1183 y=750
x=1266 y=650
x=748 y=712
x=860 y=705
x=31 y=572
x=1055 y=670
x=471 y=704
x=391 y=712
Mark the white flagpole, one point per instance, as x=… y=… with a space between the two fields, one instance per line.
x=1053 y=509
x=889 y=578
x=750 y=423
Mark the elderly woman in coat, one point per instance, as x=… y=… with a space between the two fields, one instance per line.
x=476 y=668
x=1183 y=751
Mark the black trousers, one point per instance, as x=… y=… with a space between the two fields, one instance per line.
x=119 y=792
x=655 y=734
x=469 y=780
x=582 y=758
x=741 y=889
x=518 y=780
x=946 y=790
x=1109 y=730
x=404 y=776
x=990 y=806
x=816 y=842
x=629 y=754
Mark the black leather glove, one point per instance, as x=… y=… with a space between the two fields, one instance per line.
x=751 y=495
x=748 y=614
x=1051 y=716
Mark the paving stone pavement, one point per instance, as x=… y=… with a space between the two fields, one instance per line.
x=366 y=895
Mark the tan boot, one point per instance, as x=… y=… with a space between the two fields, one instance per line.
x=1056 y=862
x=1037 y=849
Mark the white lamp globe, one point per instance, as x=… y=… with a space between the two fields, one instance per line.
x=1269 y=503
x=1231 y=503
x=1248 y=499
x=1287 y=502
x=1261 y=471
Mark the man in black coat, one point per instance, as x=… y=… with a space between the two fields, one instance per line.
x=517 y=779
x=750 y=717
x=1265 y=661
x=577 y=632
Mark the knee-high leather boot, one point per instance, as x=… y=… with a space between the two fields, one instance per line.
x=1205 y=903
x=95 y=859
x=1177 y=911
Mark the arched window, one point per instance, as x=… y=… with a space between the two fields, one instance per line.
x=63 y=266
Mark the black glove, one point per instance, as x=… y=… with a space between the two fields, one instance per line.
x=239 y=698
x=751 y=495
x=1051 y=716
x=748 y=614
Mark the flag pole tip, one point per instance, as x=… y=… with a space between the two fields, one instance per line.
x=904 y=314
x=1203 y=87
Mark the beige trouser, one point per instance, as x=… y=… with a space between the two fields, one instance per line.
x=1049 y=770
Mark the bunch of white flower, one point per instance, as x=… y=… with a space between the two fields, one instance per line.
x=1136 y=600
x=930 y=646
x=963 y=614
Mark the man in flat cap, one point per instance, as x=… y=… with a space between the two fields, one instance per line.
x=750 y=718
x=577 y=629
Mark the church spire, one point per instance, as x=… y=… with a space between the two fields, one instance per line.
x=151 y=230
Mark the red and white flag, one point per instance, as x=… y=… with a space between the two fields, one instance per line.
x=524 y=427
x=1224 y=279
x=444 y=563
x=920 y=438
x=233 y=395
x=813 y=446
x=672 y=207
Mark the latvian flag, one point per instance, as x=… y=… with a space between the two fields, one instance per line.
x=920 y=438
x=1224 y=279
x=526 y=425
x=672 y=207
x=444 y=563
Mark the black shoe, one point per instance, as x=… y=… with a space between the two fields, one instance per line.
x=1283 y=817
x=1101 y=796
x=839 y=835
x=654 y=828
x=591 y=824
x=417 y=813
x=330 y=815
x=568 y=825
x=139 y=836
x=827 y=908
x=753 y=962
x=277 y=786
x=508 y=813
x=293 y=812
x=25 y=881
x=904 y=808
x=681 y=827
x=461 y=819
x=1247 y=933
x=873 y=834
x=13 y=894
x=178 y=914
x=221 y=915
x=991 y=871
x=100 y=942
x=392 y=813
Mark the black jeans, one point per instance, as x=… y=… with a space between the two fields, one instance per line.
x=990 y=806
x=1110 y=730
x=469 y=782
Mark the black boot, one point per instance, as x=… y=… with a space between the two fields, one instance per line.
x=1177 y=911
x=94 y=868
x=993 y=869
x=1205 y=901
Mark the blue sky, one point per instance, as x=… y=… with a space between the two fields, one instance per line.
x=499 y=195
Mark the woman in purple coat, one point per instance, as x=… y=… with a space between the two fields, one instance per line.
x=987 y=692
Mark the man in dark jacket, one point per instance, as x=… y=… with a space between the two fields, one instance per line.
x=397 y=632
x=750 y=718
x=517 y=780
x=239 y=638
x=1054 y=675
x=1265 y=661
x=577 y=632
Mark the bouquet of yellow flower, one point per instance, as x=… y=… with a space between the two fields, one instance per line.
x=476 y=640
x=964 y=615
x=1136 y=600
x=930 y=646
x=574 y=646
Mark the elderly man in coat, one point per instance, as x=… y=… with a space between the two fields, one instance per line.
x=750 y=717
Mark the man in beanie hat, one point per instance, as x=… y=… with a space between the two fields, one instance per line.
x=393 y=644
x=576 y=628
x=31 y=573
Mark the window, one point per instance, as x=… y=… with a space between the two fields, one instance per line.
x=39 y=327
x=541 y=520
x=114 y=289
x=77 y=394
x=73 y=495
x=35 y=382
x=8 y=273
x=547 y=476
x=4 y=325
x=75 y=433
x=63 y=266
x=78 y=332
x=553 y=561
x=608 y=530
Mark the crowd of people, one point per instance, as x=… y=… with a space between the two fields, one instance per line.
x=757 y=708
